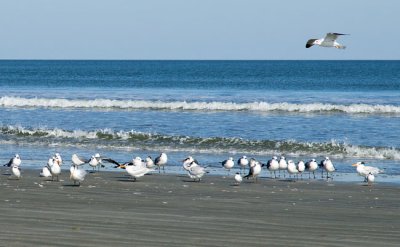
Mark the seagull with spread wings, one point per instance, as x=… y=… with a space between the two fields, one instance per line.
x=328 y=41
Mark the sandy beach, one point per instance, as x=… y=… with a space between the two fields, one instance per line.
x=170 y=210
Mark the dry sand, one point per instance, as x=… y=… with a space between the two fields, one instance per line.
x=169 y=210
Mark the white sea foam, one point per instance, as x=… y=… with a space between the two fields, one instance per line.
x=133 y=140
x=109 y=104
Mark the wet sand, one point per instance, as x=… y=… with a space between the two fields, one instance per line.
x=108 y=209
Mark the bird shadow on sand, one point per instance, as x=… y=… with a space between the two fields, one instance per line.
x=122 y=177
x=191 y=181
x=71 y=185
x=367 y=185
x=127 y=180
x=288 y=180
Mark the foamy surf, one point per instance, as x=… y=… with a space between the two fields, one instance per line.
x=133 y=140
x=111 y=104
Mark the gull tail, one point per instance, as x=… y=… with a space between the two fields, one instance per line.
x=342 y=47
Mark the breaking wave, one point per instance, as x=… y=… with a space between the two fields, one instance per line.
x=110 y=104
x=133 y=140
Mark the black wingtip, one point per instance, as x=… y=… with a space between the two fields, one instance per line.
x=341 y=33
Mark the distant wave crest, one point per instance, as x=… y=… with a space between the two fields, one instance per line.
x=133 y=140
x=110 y=104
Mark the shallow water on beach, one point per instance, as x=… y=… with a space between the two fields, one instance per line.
x=347 y=110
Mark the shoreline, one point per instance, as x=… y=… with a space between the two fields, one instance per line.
x=171 y=210
x=339 y=177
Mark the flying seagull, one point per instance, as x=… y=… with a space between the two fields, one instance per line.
x=328 y=41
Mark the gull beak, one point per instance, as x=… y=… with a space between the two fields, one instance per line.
x=355 y=164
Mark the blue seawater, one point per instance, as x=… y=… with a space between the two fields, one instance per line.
x=347 y=110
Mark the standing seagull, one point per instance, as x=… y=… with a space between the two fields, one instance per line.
x=255 y=169
x=228 y=164
x=161 y=161
x=95 y=161
x=311 y=166
x=137 y=168
x=282 y=166
x=238 y=178
x=291 y=168
x=370 y=179
x=16 y=171
x=149 y=162
x=243 y=162
x=55 y=168
x=301 y=167
x=45 y=173
x=14 y=161
x=78 y=161
x=195 y=171
x=364 y=170
x=328 y=166
x=187 y=162
x=328 y=41
x=77 y=175
x=273 y=165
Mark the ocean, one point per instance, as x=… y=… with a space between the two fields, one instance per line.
x=212 y=110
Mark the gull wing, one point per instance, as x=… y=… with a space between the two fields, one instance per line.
x=9 y=163
x=111 y=161
x=331 y=37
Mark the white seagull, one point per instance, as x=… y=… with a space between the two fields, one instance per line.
x=95 y=161
x=55 y=168
x=45 y=173
x=291 y=168
x=78 y=161
x=16 y=171
x=370 y=179
x=328 y=41
x=228 y=164
x=186 y=162
x=282 y=165
x=195 y=171
x=161 y=161
x=255 y=169
x=77 y=175
x=14 y=161
x=301 y=167
x=149 y=162
x=364 y=170
x=137 y=168
x=311 y=166
x=243 y=162
x=238 y=178
x=273 y=165
x=328 y=166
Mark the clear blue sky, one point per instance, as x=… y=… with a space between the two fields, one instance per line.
x=196 y=29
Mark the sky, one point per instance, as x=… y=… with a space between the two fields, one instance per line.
x=197 y=29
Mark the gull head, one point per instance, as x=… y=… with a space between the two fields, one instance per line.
x=358 y=163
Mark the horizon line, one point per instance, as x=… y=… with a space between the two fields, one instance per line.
x=179 y=59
